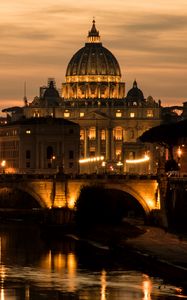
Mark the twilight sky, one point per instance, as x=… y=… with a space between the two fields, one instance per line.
x=148 y=38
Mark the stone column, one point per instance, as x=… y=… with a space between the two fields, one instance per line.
x=112 y=143
x=98 y=139
x=86 y=142
x=108 y=144
x=99 y=90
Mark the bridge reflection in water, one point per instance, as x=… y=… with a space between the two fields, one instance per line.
x=67 y=270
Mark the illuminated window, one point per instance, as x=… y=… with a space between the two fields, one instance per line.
x=28 y=131
x=92 y=133
x=66 y=114
x=81 y=134
x=36 y=114
x=103 y=135
x=81 y=114
x=92 y=151
x=132 y=115
x=118 y=114
x=134 y=103
x=131 y=155
x=118 y=133
x=149 y=113
x=118 y=154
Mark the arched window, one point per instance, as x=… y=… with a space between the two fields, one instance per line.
x=118 y=133
x=92 y=133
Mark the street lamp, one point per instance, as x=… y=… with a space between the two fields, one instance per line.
x=53 y=161
x=3 y=164
x=179 y=154
x=120 y=164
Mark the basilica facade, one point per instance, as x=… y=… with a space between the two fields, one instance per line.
x=111 y=120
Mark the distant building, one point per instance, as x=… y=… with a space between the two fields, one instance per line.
x=39 y=145
x=93 y=96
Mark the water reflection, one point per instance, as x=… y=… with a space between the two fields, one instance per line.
x=31 y=268
x=103 y=285
x=146 y=286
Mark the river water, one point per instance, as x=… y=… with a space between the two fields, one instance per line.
x=32 y=268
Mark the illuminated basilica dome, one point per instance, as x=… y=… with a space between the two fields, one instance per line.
x=93 y=72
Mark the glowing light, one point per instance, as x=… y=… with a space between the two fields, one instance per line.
x=146 y=286
x=71 y=268
x=2 y=293
x=103 y=285
x=71 y=202
x=59 y=261
x=3 y=163
x=92 y=159
x=150 y=203
x=137 y=161
x=179 y=152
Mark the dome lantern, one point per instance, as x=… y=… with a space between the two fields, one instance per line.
x=93 y=34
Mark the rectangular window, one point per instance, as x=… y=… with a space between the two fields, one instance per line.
x=81 y=114
x=149 y=113
x=71 y=165
x=28 y=131
x=81 y=134
x=71 y=154
x=132 y=115
x=28 y=154
x=66 y=114
x=103 y=135
x=92 y=133
x=118 y=114
x=27 y=164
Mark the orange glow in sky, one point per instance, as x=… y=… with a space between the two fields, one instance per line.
x=149 y=39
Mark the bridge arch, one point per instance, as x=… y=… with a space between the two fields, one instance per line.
x=129 y=190
x=26 y=189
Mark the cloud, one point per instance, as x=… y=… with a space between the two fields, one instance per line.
x=157 y=23
x=12 y=31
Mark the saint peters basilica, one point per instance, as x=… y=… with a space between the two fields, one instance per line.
x=111 y=119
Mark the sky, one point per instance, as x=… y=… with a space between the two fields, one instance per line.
x=148 y=38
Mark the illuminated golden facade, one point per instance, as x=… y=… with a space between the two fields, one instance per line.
x=94 y=97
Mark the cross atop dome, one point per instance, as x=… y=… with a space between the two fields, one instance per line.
x=135 y=85
x=93 y=34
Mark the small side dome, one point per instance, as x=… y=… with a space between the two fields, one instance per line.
x=51 y=96
x=51 y=91
x=135 y=94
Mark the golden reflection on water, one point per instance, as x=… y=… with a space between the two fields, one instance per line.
x=103 y=285
x=2 y=293
x=27 y=292
x=61 y=262
x=71 y=267
x=146 y=287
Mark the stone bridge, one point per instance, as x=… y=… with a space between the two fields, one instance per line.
x=60 y=191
